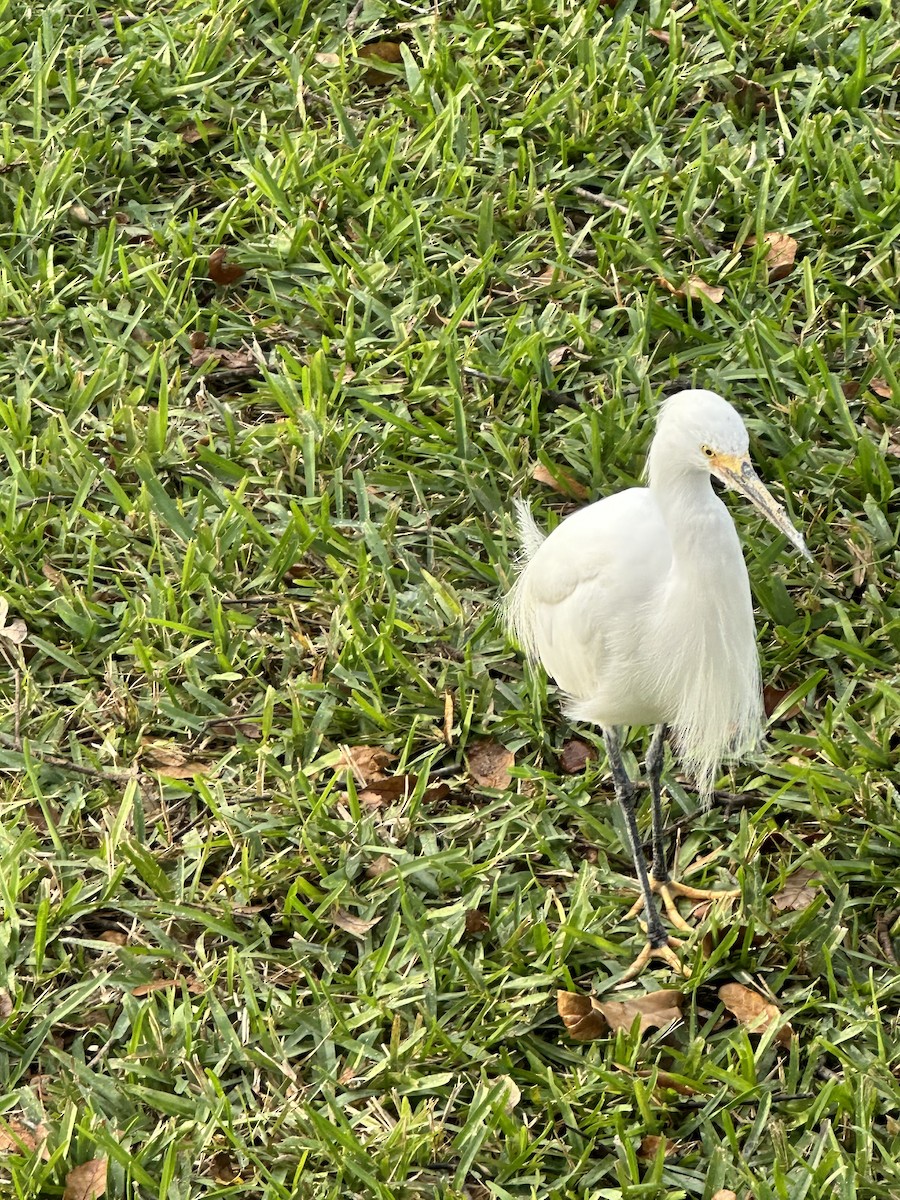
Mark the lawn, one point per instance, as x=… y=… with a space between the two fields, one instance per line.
x=296 y=852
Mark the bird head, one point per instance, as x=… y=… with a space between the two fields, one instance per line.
x=700 y=431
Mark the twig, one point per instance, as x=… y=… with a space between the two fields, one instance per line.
x=883 y=925
x=66 y=764
x=599 y=198
x=354 y=15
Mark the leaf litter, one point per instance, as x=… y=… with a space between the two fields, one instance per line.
x=753 y=1011
x=489 y=764
x=586 y=1017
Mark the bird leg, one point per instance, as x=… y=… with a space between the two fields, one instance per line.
x=659 y=944
x=661 y=882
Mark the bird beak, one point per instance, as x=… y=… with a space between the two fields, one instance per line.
x=736 y=472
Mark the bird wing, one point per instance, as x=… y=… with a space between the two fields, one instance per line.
x=573 y=607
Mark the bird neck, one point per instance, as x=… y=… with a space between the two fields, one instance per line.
x=695 y=517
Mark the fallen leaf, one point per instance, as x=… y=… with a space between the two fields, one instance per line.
x=513 y=1092
x=650 y=1144
x=166 y=759
x=575 y=755
x=221 y=272
x=190 y=982
x=355 y=925
x=223 y=1168
x=6 y=1004
x=665 y=1080
x=52 y=575
x=87 y=1182
x=228 y=360
x=326 y=59
x=796 y=895
x=16 y=631
x=489 y=764
x=81 y=215
x=881 y=388
x=477 y=921
x=232 y=726
x=366 y=762
x=115 y=937
x=754 y=1011
x=661 y=35
x=385 y=791
x=386 y=52
x=781 y=250
x=582 y=1020
x=380 y=866
x=693 y=288
x=560 y=480
x=656 y=1010
x=557 y=354
x=725 y=1194
x=773 y=696
x=18 y=1138
x=199 y=131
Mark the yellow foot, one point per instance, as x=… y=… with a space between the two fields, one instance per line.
x=670 y=890
x=665 y=952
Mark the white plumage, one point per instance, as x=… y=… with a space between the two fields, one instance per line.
x=639 y=606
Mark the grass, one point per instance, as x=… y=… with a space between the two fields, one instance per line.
x=230 y=569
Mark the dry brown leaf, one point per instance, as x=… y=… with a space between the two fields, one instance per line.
x=489 y=764
x=232 y=726
x=725 y=1194
x=881 y=388
x=223 y=1168
x=355 y=925
x=754 y=1011
x=243 y=360
x=579 y=1015
x=223 y=273
x=366 y=762
x=386 y=52
x=87 y=1182
x=199 y=131
x=575 y=755
x=560 y=480
x=513 y=1092
x=6 y=1004
x=327 y=59
x=385 y=791
x=81 y=215
x=693 y=288
x=796 y=895
x=18 y=1138
x=656 y=1010
x=661 y=35
x=665 y=1080
x=193 y=985
x=650 y=1144
x=52 y=575
x=380 y=866
x=115 y=937
x=477 y=921
x=781 y=250
x=557 y=354
x=773 y=696
x=166 y=759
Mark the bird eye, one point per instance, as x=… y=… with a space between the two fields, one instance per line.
x=708 y=451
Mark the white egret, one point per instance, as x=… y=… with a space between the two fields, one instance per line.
x=639 y=608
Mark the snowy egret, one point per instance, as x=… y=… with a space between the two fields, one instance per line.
x=639 y=608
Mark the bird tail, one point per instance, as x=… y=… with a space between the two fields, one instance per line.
x=518 y=614
x=530 y=535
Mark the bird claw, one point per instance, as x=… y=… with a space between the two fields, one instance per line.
x=670 y=889
x=664 y=952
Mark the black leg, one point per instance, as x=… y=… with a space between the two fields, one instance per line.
x=655 y=756
x=656 y=934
